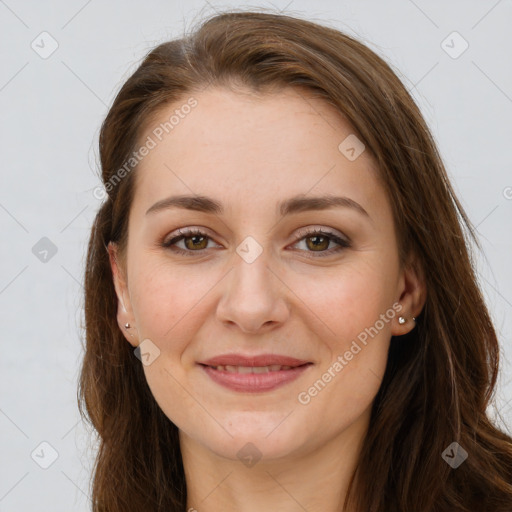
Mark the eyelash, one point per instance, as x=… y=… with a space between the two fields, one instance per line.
x=188 y=233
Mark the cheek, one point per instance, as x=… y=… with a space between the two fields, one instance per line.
x=349 y=300
x=343 y=387
x=167 y=308
x=165 y=302
x=356 y=307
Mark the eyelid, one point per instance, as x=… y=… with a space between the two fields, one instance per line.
x=314 y=229
x=187 y=232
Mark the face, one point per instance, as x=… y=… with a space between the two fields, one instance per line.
x=261 y=271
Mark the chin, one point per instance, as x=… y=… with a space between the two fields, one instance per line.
x=258 y=435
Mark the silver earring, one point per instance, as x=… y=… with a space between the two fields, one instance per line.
x=401 y=320
x=127 y=326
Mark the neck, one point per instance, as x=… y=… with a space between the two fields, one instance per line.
x=317 y=479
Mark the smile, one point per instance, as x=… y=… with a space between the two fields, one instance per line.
x=254 y=379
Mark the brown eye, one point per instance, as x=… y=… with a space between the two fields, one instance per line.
x=317 y=242
x=195 y=242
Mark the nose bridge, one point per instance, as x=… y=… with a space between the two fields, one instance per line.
x=251 y=273
x=251 y=277
x=252 y=294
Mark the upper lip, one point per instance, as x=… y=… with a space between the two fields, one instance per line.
x=259 y=360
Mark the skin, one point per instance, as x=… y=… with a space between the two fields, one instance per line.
x=250 y=152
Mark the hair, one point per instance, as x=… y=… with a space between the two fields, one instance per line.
x=439 y=378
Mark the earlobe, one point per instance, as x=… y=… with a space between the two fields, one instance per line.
x=412 y=296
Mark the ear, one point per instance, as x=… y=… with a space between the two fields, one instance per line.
x=411 y=294
x=124 y=307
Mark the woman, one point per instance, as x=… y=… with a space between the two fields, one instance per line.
x=281 y=310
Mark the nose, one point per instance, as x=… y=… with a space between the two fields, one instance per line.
x=253 y=298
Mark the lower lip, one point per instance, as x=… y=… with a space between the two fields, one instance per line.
x=254 y=382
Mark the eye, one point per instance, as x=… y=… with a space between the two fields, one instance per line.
x=194 y=240
x=316 y=241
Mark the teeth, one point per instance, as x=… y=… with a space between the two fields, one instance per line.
x=251 y=369
x=260 y=369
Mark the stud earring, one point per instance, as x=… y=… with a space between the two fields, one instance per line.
x=127 y=326
x=401 y=320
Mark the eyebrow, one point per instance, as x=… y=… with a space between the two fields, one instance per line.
x=293 y=205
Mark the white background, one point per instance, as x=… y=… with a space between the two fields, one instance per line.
x=51 y=113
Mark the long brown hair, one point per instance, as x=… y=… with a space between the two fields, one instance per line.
x=439 y=378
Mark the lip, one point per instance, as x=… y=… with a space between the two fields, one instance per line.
x=259 y=360
x=254 y=382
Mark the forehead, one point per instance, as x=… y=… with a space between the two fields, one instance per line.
x=247 y=149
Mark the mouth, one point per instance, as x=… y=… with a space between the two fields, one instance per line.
x=251 y=375
x=253 y=369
